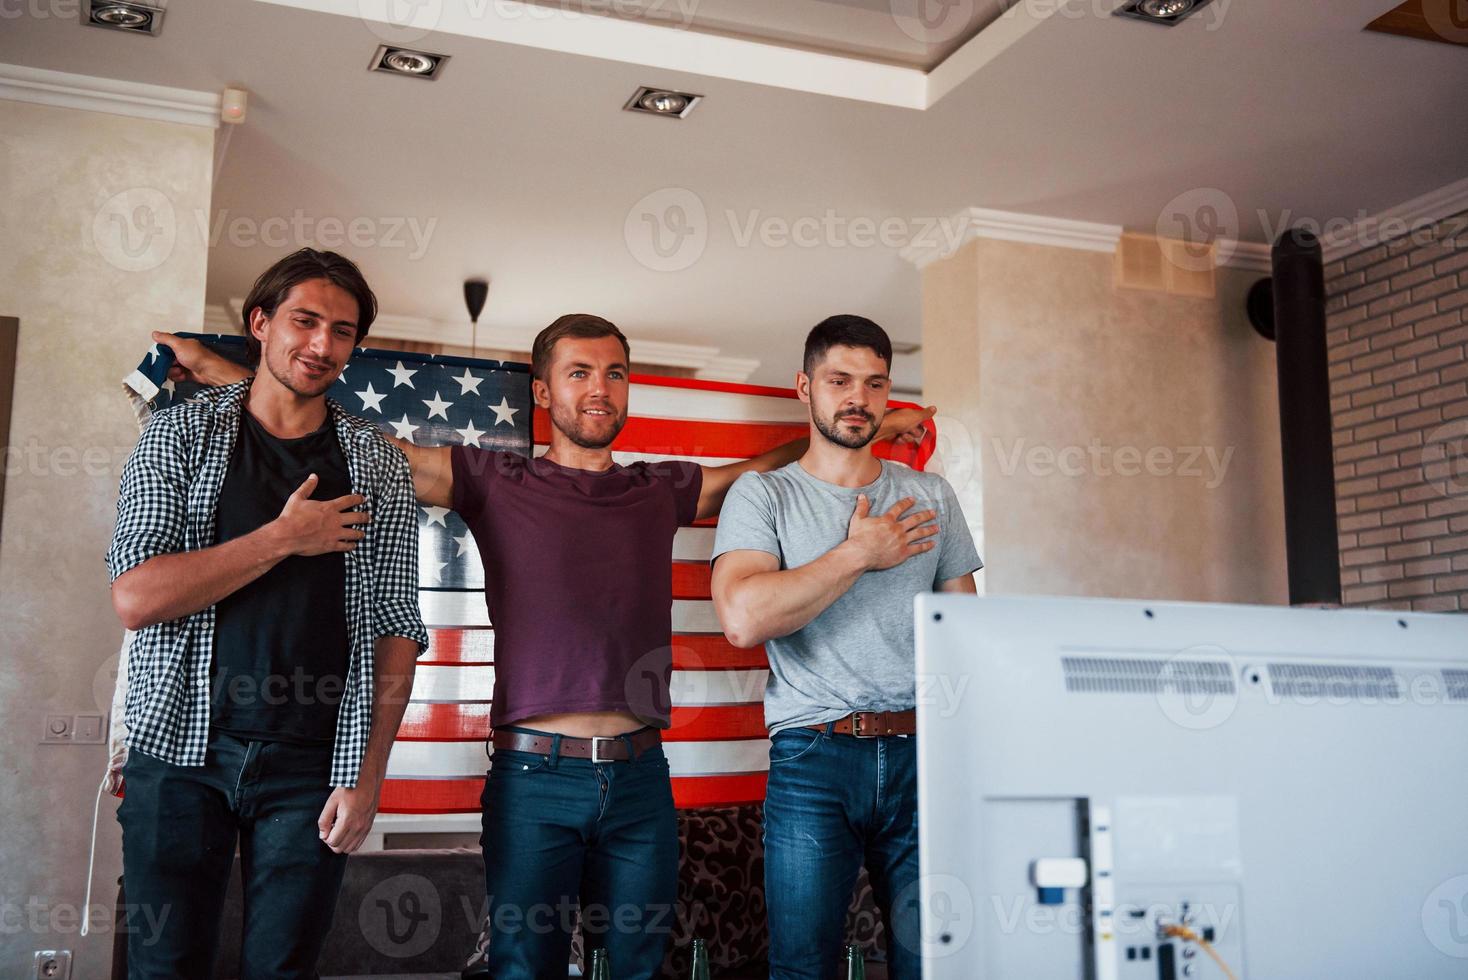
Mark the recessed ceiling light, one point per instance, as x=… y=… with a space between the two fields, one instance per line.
x=135 y=18
x=401 y=61
x=662 y=102
x=1166 y=12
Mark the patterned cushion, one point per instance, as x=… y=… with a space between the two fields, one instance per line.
x=721 y=897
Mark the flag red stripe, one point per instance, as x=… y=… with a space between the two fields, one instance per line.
x=431 y=795
x=692 y=792
x=469 y=722
x=691 y=580
x=717 y=723
x=462 y=795
x=711 y=651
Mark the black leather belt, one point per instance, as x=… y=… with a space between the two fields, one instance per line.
x=608 y=748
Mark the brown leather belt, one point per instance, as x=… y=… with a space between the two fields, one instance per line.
x=609 y=748
x=870 y=724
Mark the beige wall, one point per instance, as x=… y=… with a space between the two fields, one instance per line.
x=1120 y=442
x=86 y=298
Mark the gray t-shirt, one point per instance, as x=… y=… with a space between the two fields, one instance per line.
x=858 y=654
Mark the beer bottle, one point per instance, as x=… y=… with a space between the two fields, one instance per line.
x=856 y=966
x=600 y=968
x=700 y=961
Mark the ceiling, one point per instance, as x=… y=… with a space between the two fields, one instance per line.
x=519 y=165
x=914 y=33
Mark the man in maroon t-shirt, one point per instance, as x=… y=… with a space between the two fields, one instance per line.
x=577 y=554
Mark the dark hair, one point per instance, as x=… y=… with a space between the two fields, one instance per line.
x=845 y=330
x=582 y=326
x=276 y=283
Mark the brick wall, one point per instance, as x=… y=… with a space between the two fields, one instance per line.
x=1398 y=340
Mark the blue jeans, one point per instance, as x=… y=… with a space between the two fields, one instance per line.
x=557 y=829
x=180 y=825
x=834 y=802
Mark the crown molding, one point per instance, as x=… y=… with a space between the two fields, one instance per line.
x=1009 y=226
x=706 y=362
x=65 y=90
x=1371 y=231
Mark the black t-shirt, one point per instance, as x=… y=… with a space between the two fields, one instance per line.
x=281 y=649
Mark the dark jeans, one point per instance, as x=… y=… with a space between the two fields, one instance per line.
x=180 y=825
x=556 y=829
x=833 y=802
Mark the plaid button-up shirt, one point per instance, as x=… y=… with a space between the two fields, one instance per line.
x=170 y=491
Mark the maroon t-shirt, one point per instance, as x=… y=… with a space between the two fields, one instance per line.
x=578 y=579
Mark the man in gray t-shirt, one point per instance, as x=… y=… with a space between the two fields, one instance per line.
x=820 y=561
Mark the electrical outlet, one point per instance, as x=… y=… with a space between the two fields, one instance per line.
x=58 y=728
x=52 y=964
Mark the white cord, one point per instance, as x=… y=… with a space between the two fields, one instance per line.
x=92 y=858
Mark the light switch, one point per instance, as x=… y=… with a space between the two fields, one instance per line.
x=88 y=729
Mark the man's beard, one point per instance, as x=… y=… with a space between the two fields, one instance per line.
x=574 y=427
x=284 y=377
x=830 y=428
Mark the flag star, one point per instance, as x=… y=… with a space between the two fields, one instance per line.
x=153 y=353
x=437 y=515
x=168 y=386
x=402 y=375
x=470 y=435
x=503 y=412
x=402 y=428
x=465 y=541
x=438 y=406
x=371 y=399
x=467 y=383
x=433 y=570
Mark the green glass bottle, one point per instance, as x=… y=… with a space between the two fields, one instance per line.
x=700 y=961
x=601 y=969
x=856 y=966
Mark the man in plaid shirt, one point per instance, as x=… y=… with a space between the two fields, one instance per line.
x=266 y=551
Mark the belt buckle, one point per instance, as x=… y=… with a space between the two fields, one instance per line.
x=596 y=740
x=856 y=720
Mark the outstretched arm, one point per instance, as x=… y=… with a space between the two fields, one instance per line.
x=900 y=424
x=433 y=474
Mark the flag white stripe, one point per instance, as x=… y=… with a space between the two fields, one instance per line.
x=465 y=607
x=449 y=760
x=693 y=544
x=453 y=682
x=660 y=402
x=696 y=688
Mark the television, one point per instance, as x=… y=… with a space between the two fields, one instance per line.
x=1130 y=790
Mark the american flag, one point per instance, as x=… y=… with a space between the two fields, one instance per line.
x=717 y=746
